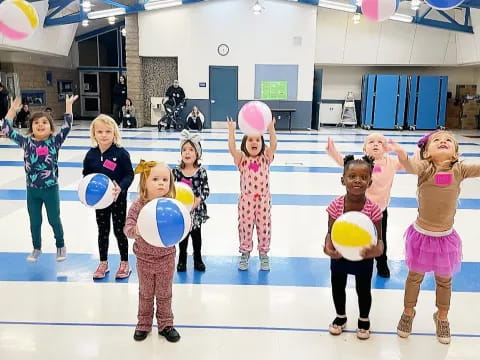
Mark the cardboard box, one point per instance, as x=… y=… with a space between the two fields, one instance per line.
x=469 y=122
x=464 y=90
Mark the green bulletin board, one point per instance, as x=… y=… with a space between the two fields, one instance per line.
x=274 y=90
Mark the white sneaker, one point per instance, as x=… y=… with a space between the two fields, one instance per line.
x=243 y=263
x=33 y=257
x=264 y=263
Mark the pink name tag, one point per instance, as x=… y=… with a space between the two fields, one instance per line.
x=443 y=179
x=187 y=181
x=110 y=165
x=42 y=151
x=377 y=169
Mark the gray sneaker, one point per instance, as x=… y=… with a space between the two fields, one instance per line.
x=61 y=253
x=33 y=257
x=243 y=263
x=264 y=263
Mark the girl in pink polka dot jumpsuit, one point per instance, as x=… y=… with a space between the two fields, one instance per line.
x=253 y=160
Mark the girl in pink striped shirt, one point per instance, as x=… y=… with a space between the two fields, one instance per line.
x=384 y=170
x=357 y=177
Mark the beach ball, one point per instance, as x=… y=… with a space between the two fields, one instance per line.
x=18 y=19
x=96 y=191
x=443 y=4
x=254 y=118
x=352 y=232
x=164 y=222
x=379 y=10
x=184 y=194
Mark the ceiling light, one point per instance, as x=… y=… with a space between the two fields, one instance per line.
x=415 y=4
x=85 y=22
x=106 y=13
x=86 y=6
x=356 y=18
x=257 y=8
x=402 y=18
x=124 y=31
x=154 y=5
x=334 y=5
x=111 y=20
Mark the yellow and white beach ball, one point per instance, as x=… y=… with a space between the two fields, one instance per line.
x=351 y=233
x=184 y=194
x=18 y=19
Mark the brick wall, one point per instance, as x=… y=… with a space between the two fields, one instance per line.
x=33 y=77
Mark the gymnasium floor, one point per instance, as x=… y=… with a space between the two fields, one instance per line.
x=55 y=311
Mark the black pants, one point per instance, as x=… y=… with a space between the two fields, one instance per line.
x=196 y=235
x=383 y=257
x=116 y=113
x=363 y=284
x=129 y=122
x=118 y=211
x=194 y=124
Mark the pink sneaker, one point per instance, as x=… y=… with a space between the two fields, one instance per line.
x=123 y=270
x=102 y=270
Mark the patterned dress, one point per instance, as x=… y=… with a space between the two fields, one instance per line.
x=199 y=184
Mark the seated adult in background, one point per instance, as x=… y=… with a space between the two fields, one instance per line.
x=128 y=114
x=195 y=120
x=21 y=121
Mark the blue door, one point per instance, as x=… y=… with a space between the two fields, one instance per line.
x=223 y=92
x=428 y=102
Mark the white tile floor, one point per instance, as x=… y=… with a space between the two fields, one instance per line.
x=80 y=319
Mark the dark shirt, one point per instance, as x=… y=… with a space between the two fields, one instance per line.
x=120 y=94
x=114 y=162
x=175 y=95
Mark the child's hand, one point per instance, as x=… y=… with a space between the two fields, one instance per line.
x=271 y=126
x=330 y=145
x=116 y=190
x=330 y=250
x=69 y=100
x=14 y=107
x=371 y=252
x=394 y=146
x=231 y=124
x=196 y=202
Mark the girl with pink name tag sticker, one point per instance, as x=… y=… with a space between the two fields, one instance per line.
x=108 y=157
x=431 y=243
x=41 y=148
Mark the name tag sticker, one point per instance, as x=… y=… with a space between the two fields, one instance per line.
x=42 y=151
x=110 y=165
x=443 y=179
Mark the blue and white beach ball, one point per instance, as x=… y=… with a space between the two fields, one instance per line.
x=164 y=222
x=96 y=191
x=443 y=4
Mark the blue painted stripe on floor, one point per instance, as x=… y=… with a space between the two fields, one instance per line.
x=221 y=270
x=163 y=138
x=296 y=169
x=222 y=327
x=277 y=199
x=281 y=132
x=218 y=151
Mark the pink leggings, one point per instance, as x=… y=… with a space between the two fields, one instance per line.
x=254 y=210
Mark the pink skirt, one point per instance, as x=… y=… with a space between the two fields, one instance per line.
x=427 y=251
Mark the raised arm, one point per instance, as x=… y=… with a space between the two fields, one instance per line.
x=270 y=151
x=236 y=154
x=6 y=124
x=67 y=121
x=333 y=153
x=412 y=165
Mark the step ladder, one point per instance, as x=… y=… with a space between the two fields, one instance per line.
x=349 y=115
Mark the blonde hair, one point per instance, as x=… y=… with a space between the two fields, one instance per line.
x=375 y=134
x=108 y=121
x=431 y=168
x=144 y=168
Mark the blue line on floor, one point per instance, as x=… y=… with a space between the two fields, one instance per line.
x=277 y=199
x=217 y=151
x=221 y=270
x=220 y=327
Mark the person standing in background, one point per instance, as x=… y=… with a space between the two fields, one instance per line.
x=119 y=97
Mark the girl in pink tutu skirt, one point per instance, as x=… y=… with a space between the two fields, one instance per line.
x=431 y=243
